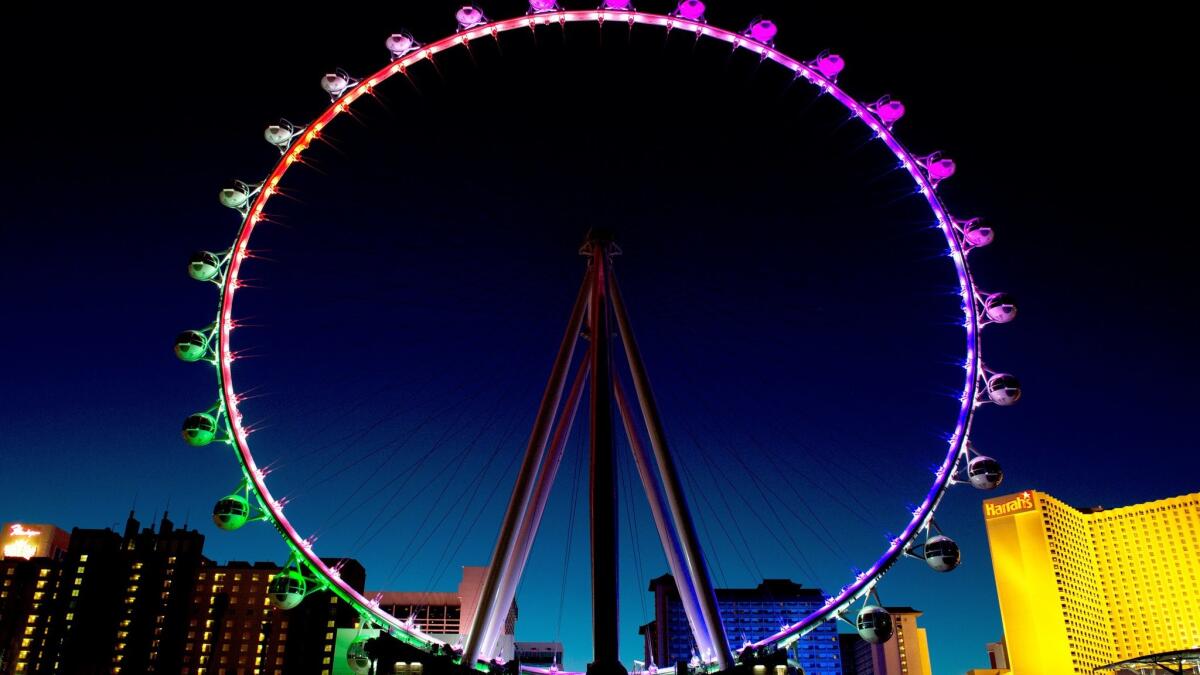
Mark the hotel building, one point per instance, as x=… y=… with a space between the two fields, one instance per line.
x=232 y=627
x=1084 y=587
x=907 y=653
x=447 y=615
x=747 y=614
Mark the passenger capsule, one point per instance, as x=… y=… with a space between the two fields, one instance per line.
x=286 y=590
x=199 y=429
x=942 y=553
x=888 y=110
x=191 y=346
x=536 y=6
x=469 y=17
x=400 y=44
x=763 y=31
x=939 y=168
x=231 y=513
x=830 y=65
x=985 y=473
x=357 y=657
x=1004 y=389
x=235 y=197
x=976 y=233
x=335 y=84
x=874 y=624
x=691 y=9
x=279 y=135
x=203 y=266
x=1000 y=307
x=617 y=4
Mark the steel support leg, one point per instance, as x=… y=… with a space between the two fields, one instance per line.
x=662 y=521
x=605 y=569
x=486 y=611
x=527 y=529
x=697 y=569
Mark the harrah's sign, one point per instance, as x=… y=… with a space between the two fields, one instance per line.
x=1019 y=503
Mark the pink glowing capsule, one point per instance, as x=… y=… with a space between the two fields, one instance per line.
x=618 y=4
x=976 y=233
x=1000 y=307
x=763 y=31
x=469 y=17
x=543 y=5
x=691 y=9
x=830 y=65
x=889 y=111
x=940 y=169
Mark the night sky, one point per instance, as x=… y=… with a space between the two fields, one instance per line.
x=795 y=308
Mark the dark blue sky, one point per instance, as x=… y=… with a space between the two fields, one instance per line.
x=789 y=295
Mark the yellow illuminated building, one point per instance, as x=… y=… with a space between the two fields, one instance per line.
x=1081 y=588
x=911 y=653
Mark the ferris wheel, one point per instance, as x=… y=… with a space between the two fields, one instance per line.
x=601 y=326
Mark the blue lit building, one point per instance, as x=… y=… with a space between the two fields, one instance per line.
x=748 y=614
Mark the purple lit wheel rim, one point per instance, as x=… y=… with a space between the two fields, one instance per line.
x=857 y=589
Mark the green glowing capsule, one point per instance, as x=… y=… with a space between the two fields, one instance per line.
x=199 y=429
x=191 y=346
x=231 y=513
x=357 y=657
x=287 y=589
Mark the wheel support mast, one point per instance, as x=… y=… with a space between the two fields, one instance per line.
x=599 y=298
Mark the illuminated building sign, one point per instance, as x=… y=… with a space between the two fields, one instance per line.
x=18 y=540
x=1016 y=504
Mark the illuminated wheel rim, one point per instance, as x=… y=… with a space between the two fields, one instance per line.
x=819 y=73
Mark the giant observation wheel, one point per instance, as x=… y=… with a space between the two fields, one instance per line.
x=598 y=303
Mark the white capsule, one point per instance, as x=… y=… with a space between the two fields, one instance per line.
x=278 y=135
x=1000 y=307
x=942 y=553
x=874 y=624
x=401 y=44
x=335 y=83
x=1004 y=389
x=234 y=197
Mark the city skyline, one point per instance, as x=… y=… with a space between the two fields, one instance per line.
x=1101 y=344
x=1030 y=533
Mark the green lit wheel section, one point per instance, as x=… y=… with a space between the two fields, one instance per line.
x=306 y=573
